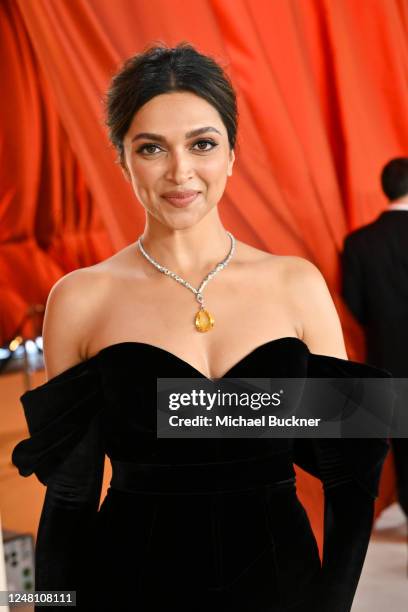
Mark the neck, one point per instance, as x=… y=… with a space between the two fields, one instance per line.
x=188 y=250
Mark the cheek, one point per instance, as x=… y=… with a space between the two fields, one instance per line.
x=144 y=179
x=144 y=174
x=215 y=179
x=214 y=170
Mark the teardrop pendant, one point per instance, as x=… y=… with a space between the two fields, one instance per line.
x=204 y=321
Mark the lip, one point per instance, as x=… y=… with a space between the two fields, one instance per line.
x=180 y=199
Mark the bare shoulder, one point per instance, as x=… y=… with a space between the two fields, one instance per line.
x=287 y=269
x=298 y=278
x=298 y=272
x=309 y=296
x=290 y=271
x=69 y=311
x=74 y=306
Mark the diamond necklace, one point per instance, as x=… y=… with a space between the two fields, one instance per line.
x=204 y=320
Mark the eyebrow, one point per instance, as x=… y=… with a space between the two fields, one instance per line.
x=191 y=134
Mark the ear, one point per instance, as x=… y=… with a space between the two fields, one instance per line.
x=125 y=170
x=231 y=162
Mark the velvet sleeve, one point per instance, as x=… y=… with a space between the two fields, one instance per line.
x=349 y=469
x=65 y=451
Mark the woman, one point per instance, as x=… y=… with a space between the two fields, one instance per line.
x=187 y=524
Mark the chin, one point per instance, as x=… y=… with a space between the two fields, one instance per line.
x=181 y=225
x=183 y=220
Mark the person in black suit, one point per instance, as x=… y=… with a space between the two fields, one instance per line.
x=375 y=288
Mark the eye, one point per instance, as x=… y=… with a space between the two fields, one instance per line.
x=202 y=145
x=148 y=148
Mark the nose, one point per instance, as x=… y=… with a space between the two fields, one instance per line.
x=179 y=168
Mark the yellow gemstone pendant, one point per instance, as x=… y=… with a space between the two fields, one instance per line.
x=204 y=321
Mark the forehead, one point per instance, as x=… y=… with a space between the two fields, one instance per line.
x=174 y=114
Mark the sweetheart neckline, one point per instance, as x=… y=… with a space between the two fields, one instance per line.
x=115 y=345
x=58 y=377
x=189 y=365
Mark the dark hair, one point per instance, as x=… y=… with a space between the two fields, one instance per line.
x=394 y=178
x=161 y=69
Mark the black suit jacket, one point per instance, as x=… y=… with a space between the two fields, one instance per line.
x=375 y=288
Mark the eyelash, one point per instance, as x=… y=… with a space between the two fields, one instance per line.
x=142 y=149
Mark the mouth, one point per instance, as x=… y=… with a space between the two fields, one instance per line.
x=180 y=199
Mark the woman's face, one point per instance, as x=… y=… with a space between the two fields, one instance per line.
x=177 y=143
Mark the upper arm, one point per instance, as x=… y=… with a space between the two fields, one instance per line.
x=67 y=317
x=314 y=308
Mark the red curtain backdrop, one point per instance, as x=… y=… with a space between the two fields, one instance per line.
x=322 y=89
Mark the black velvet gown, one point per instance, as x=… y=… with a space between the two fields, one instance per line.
x=198 y=524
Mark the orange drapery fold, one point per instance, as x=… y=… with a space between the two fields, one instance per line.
x=49 y=222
